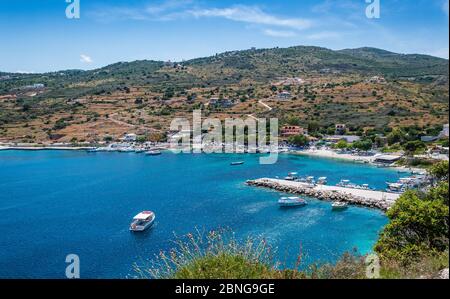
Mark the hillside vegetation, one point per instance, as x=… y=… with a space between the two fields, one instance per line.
x=146 y=95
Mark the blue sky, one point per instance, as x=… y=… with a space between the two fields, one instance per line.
x=37 y=37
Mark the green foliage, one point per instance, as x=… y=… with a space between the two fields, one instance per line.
x=293 y=121
x=414 y=146
x=396 y=136
x=424 y=266
x=342 y=144
x=299 y=140
x=364 y=145
x=440 y=171
x=418 y=225
x=224 y=266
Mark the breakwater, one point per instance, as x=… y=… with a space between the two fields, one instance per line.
x=368 y=198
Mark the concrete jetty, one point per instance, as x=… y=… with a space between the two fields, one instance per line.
x=369 y=198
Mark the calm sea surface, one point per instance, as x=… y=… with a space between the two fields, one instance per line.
x=55 y=203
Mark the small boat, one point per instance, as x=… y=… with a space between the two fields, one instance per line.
x=153 y=153
x=396 y=187
x=322 y=181
x=339 y=206
x=310 y=180
x=288 y=202
x=237 y=163
x=142 y=221
x=343 y=183
x=139 y=150
x=292 y=176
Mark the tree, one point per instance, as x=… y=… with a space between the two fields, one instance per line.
x=342 y=144
x=363 y=145
x=293 y=121
x=313 y=127
x=439 y=171
x=299 y=140
x=414 y=146
x=395 y=136
x=418 y=226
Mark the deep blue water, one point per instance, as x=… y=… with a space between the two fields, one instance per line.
x=55 y=203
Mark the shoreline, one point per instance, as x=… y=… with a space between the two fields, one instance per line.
x=368 y=160
x=325 y=154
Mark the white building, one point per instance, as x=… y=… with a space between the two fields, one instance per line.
x=130 y=138
x=284 y=96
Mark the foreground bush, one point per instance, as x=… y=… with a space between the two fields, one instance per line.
x=418 y=227
x=218 y=255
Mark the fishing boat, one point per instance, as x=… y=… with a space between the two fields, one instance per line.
x=343 y=183
x=142 y=221
x=322 y=181
x=288 y=202
x=237 y=163
x=292 y=176
x=310 y=180
x=339 y=206
x=396 y=187
x=153 y=153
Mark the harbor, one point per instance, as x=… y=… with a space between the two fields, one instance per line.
x=368 y=198
x=90 y=192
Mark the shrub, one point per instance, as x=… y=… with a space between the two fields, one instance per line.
x=418 y=226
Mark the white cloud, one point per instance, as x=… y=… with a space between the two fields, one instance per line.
x=252 y=15
x=279 y=33
x=85 y=59
x=181 y=9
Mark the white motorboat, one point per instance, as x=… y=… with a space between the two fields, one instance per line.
x=153 y=153
x=310 y=180
x=142 y=221
x=343 y=183
x=288 y=202
x=292 y=176
x=396 y=187
x=339 y=205
x=322 y=181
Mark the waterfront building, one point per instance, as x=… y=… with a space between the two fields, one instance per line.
x=289 y=131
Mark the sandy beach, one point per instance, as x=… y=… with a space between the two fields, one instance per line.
x=322 y=153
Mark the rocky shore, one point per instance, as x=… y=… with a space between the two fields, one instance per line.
x=372 y=199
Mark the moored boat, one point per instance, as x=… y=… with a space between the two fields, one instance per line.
x=288 y=202
x=143 y=221
x=292 y=176
x=339 y=206
x=322 y=181
x=153 y=153
x=237 y=163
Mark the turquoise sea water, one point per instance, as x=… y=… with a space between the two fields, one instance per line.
x=55 y=203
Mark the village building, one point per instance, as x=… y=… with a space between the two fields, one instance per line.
x=284 y=96
x=130 y=138
x=341 y=129
x=289 y=131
